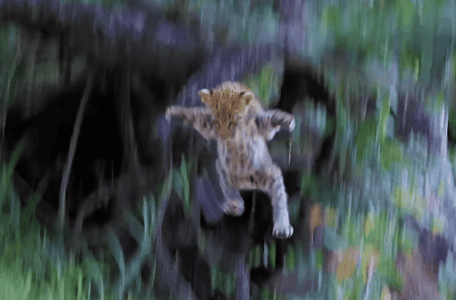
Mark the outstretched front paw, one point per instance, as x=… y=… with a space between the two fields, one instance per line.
x=282 y=230
x=169 y=112
x=292 y=124
x=233 y=207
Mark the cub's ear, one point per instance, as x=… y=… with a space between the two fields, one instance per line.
x=205 y=95
x=247 y=97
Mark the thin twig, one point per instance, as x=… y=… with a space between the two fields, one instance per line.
x=12 y=72
x=289 y=153
x=72 y=150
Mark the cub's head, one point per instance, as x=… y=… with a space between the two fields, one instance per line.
x=228 y=103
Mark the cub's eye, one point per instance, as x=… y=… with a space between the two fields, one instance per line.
x=242 y=93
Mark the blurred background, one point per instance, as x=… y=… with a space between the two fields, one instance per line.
x=102 y=198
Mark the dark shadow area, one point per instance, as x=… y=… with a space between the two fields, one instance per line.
x=47 y=136
x=299 y=83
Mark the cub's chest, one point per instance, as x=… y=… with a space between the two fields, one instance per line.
x=244 y=152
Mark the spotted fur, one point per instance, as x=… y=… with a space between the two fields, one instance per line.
x=235 y=118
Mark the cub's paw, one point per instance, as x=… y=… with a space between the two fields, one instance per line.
x=292 y=124
x=169 y=112
x=273 y=132
x=233 y=207
x=282 y=230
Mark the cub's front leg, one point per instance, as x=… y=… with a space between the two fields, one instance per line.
x=199 y=118
x=271 y=121
x=186 y=113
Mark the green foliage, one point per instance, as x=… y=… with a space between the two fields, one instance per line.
x=308 y=185
x=319 y=259
x=116 y=249
x=331 y=16
x=365 y=138
x=290 y=258
x=37 y=266
x=374 y=229
x=266 y=85
x=330 y=126
x=392 y=152
x=29 y=211
x=272 y=254
x=394 y=279
x=181 y=182
x=383 y=118
x=389 y=29
x=410 y=60
x=409 y=201
x=93 y=272
x=351 y=229
x=7 y=174
x=255 y=256
x=225 y=281
x=166 y=187
x=266 y=294
x=406 y=14
x=13 y=285
x=435 y=104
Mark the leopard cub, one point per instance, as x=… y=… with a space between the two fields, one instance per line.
x=234 y=117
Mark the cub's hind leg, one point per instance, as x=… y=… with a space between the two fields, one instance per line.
x=270 y=181
x=234 y=204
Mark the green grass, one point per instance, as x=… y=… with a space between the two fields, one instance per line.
x=34 y=265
